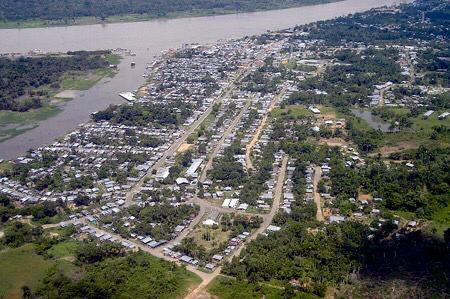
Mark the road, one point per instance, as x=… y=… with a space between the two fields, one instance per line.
x=251 y=144
x=317 y=200
x=221 y=141
x=275 y=206
x=226 y=93
x=204 y=205
x=138 y=186
x=200 y=291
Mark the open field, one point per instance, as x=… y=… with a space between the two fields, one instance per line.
x=84 y=81
x=5 y=165
x=64 y=249
x=15 y=123
x=291 y=112
x=217 y=236
x=420 y=131
x=23 y=267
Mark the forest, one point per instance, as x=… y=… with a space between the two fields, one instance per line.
x=85 y=269
x=165 y=216
x=158 y=114
x=13 y=10
x=23 y=80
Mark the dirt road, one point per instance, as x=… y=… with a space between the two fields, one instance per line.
x=251 y=144
x=317 y=200
x=221 y=141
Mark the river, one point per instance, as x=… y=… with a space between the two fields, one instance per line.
x=146 y=39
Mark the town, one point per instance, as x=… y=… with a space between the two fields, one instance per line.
x=229 y=142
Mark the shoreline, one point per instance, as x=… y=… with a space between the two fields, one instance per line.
x=129 y=79
x=136 y=18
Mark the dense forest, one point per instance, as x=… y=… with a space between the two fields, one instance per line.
x=138 y=275
x=21 y=78
x=13 y=10
x=142 y=115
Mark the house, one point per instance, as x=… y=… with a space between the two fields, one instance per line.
x=209 y=222
x=186 y=259
x=217 y=257
x=182 y=181
x=210 y=266
x=193 y=168
x=273 y=228
x=428 y=113
x=337 y=218
x=314 y=110
x=443 y=115
x=162 y=174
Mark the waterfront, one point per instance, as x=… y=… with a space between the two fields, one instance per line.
x=146 y=39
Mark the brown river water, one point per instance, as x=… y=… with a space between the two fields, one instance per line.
x=146 y=39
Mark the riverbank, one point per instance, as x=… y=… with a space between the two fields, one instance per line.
x=129 y=18
x=147 y=40
x=13 y=123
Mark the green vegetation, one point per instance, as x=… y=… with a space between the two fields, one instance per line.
x=229 y=288
x=63 y=249
x=55 y=266
x=28 y=96
x=29 y=80
x=24 y=267
x=137 y=275
x=138 y=114
x=227 y=169
x=32 y=13
x=291 y=112
x=167 y=216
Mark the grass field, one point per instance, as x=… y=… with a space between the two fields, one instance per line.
x=420 y=130
x=217 y=236
x=23 y=267
x=82 y=80
x=228 y=288
x=440 y=221
x=64 y=249
x=5 y=165
x=291 y=112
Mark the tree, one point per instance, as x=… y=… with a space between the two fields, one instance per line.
x=26 y=292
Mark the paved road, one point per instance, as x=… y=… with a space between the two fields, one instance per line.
x=317 y=200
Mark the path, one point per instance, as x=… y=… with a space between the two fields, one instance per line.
x=317 y=200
